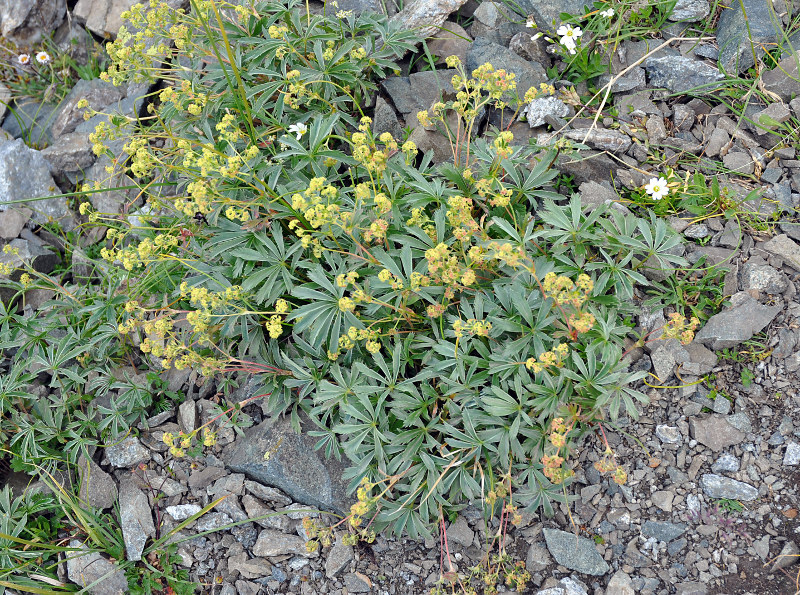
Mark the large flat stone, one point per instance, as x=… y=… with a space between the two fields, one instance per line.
x=717 y=486
x=744 y=29
x=745 y=318
x=574 y=552
x=714 y=431
x=135 y=517
x=293 y=465
x=85 y=568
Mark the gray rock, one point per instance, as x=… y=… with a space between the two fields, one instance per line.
x=772 y=116
x=98 y=93
x=601 y=139
x=362 y=6
x=792 y=455
x=26 y=23
x=740 y=322
x=263 y=516
x=721 y=405
x=356 y=582
x=495 y=21
x=187 y=416
x=726 y=463
x=690 y=11
x=663 y=499
x=213 y=521
x=697 y=231
x=762 y=278
x=701 y=360
x=86 y=568
x=739 y=162
x=585 y=166
x=70 y=153
x=12 y=220
x=294 y=466
x=181 y=512
x=460 y=533
x=656 y=131
x=547 y=13
x=249 y=567
x=692 y=588
x=668 y=434
x=780 y=245
x=31 y=121
x=338 y=559
x=97 y=487
x=676 y=546
x=538 y=558
x=536 y=111
x=790 y=554
x=761 y=546
x=576 y=553
x=663 y=530
x=744 y=29
x=566 y=586
x=25 y=252
x=25 y=174
x=741 y=422
x=714 y=431
x=783 y=79
x=718 y=139
x=135 y=518
x=418 y=91
x=425 y=17
x=127 y=453
x=632 y=81
x=103 y=17
x=531 y=49
x=266 y=493
x=620 y=584
x=450 y=40
x=274 y=543
x=680 y=74
x=717 y=486
x=528 y=74
x=5 y=98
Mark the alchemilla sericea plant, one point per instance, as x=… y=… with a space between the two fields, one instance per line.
x=448 y=329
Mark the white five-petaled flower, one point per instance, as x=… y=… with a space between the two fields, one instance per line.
x=42 y=57
x=607 y=13
x=657 y=188
x=536 y=36
x=24 y=59
x=299 y=129
x=569 y=36
x=530 y=24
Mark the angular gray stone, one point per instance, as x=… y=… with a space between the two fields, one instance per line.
x=70 y=153
x=127 y=453
x=24 y=175
x=294 y=466
x=249 y=567
x=574 y=552
x=338 y=559
x=741 y=422
x=663 y=530
x=668 y=434
x=547 y=13
x=12 y=220
x=537 y=109
x=663 y=499
x=356 y=582
x=263 y=516
x=97 y=487
x=744 y=29
x=5 y=98
x=718 y=139
x=701 y=360
x=450 y=40
x=680 y=74
x=781 y=245
x=717 y=486
x=418 y=91
x=714 y=431
x=690 y=11
x=792 y=455
x=460 y=533
x=274 y=543
x=266 y=493
x=783 y=79
x=739 y=323
x=762 y=277
x=31 y=121
x=789 y=554
x=620 y=584
x=98 y=94
x=25 y=252
x=181 y=512
x=424 y=17
x=739 y=162
x=85 y=568
x=601 y=139
x=528 y=74
x=726 y=463
x=187 y=416
x=362 y=6
x=26 y=22
x=103 y=17
x=213 y=521
x=135 y=517
x=538 y=558
x=566 y=586
x=692 y=588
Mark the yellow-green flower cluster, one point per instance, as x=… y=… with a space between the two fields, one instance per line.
x=178 y=445
x=349 y=340
x=678 y=327
x=478 y=328
x=544 y=89
x=553 y=358
x=564 y=291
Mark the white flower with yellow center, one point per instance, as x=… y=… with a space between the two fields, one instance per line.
x=569 y=36
x=657 y=188
x=298 y=129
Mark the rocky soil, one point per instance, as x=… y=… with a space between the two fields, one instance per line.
x=692 y=450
